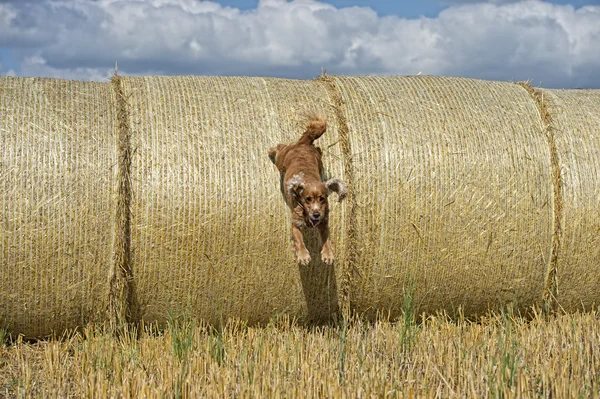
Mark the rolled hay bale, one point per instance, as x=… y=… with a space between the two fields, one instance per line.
x=57 y=172
x=149 y=197
x=210 y=231
x=453 y=194
x=574 y=126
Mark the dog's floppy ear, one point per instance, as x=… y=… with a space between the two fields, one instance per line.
x=295 y=185
x=338 y=186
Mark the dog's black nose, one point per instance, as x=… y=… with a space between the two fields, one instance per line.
x=316 y=215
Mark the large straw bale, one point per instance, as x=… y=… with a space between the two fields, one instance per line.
x=453 y=190
x=56 y=203
x=149 y=197
x=575 y=126
x=210 y=230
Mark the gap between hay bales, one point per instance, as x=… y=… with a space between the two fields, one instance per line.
x=351 y=244
x=121 y=295
x=550 y=299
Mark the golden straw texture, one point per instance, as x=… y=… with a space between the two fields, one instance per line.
x=576 y=125
x=57 y=203
x=453 y=192
x=147 y=197
x=210 y=230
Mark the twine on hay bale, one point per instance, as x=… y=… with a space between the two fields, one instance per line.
x=153 y=196
x=350 y=250
x=122 y=302
x=551 y=282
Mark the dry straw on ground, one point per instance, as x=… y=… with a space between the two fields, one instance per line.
x=147 y=196
x=501 y=357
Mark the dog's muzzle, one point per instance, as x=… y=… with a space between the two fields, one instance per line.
x=314 y=221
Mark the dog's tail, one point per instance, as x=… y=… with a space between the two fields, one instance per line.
x=315 y=128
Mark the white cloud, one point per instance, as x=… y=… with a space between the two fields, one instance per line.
x=552 y=45
x=37 y=66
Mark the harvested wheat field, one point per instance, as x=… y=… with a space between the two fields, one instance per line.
x=500 y=356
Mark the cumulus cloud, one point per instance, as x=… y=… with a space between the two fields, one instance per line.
x=553 y=45
x=37 y=66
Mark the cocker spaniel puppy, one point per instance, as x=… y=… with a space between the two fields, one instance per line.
x=306 y=194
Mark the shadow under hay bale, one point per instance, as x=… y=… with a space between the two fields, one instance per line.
x=319 y=283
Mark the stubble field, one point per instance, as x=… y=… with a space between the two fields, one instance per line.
x=497 y=356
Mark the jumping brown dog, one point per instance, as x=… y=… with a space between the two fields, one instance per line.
x=301 y=167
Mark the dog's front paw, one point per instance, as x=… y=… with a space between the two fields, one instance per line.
x=327 y=256
x=303 y=258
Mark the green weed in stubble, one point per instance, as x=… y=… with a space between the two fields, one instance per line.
x=504 y=366
x=255 y=357
x=3 y=336
x=409 y=326
x=509 y=349
x=342 y=332
x=182 y=340
x=129 y=352
x=182 y=336
x=217 y=345
x=99 y=346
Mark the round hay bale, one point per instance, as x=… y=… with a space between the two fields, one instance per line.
x=149 y=197
x=453 y=190
x=210 y=230
x=56 y=203
x=575 y=126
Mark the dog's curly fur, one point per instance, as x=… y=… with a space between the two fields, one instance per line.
x=306 y=194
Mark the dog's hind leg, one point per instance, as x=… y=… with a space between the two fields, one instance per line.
x=274 y=150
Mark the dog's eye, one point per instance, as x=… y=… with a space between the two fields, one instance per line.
x=322 y=199
x=308 y=199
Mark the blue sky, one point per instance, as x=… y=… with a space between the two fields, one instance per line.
x=406 y=9
x=403 y=8
x=551 y=43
